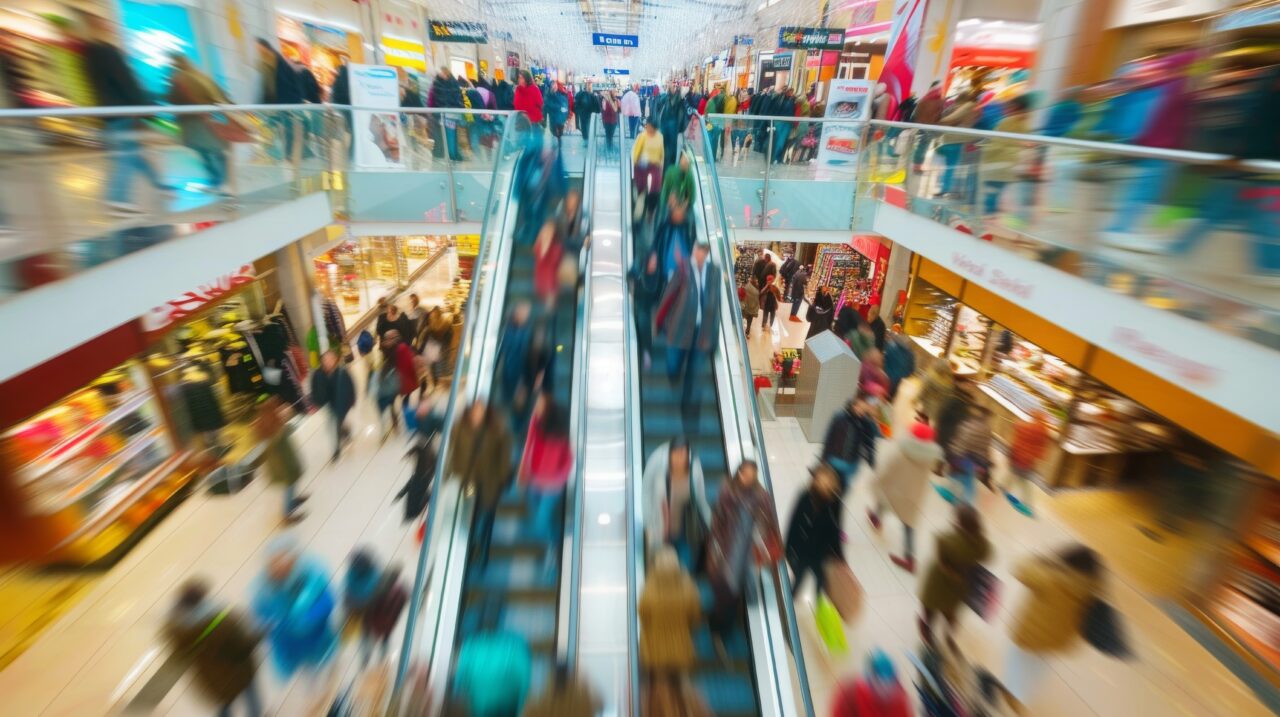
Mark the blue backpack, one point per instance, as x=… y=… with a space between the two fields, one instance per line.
x=364 y=343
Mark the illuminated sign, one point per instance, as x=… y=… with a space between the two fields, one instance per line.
x=810 y=38
x=607 y=40
x=405 y=53
x=452 y=31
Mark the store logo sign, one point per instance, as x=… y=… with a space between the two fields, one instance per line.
x=994 y=278
x=177 y=309
x=1188 y=369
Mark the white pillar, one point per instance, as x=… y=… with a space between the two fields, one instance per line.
x=1059 y=26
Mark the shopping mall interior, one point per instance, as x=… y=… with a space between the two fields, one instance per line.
x=629 y=358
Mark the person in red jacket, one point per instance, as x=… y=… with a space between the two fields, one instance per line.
x=877 y=693
x=528 y=98
x=397 y=377
x=544 y=470
x=1030 y=442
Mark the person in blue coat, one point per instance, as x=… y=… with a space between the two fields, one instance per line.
x=292 y=601
x=556 y=108
x=494 y=668
x=899 y=361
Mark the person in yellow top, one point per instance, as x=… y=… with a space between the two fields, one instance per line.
x=648 y=154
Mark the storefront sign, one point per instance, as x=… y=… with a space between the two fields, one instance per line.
x=1142 y=12
x=378 y=135
x=847 y=100
x=984 y=57
x=608 y=40
x=177 y=309
x=453 y=31
x=405 y=53
x=811 y=38
x=513 y=59
x=780 y=63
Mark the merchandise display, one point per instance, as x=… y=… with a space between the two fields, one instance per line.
x=87 y=466
x=356 y=273
x=1246 y=603
x=844 y=271
x=969 y=341
x=1103 y=421
x=930 y=315
x=1026 y=379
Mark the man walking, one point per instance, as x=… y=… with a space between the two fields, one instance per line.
x=689 y=316
x=333 y=390
x=799 y=283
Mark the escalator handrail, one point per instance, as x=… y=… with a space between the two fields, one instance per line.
x=754 y=423
x=474 y=346
x=571 y=580
x=635 y=442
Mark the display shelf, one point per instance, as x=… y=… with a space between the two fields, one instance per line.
x=73 y=444
x=929 y=346
x=91 y=483
x=1005 y=402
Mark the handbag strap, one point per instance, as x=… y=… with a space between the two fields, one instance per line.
x=213 y=624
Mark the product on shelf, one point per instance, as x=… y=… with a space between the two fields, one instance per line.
x=930 y=317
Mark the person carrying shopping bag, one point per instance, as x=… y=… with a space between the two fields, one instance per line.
x=902 y=482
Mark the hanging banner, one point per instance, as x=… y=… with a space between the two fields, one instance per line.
x=899 y=65
x=847 y=100
x=378 y=135
x=811 y=38
x=451 y=31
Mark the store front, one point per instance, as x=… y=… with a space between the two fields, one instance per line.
x=320 y=48
x=354 y=273
x=994 y=55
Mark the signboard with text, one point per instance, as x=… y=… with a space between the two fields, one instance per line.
x=616 y=71
x=811 y=38
x=378 y=133
x=454 y=31
x=609 y=40
x=846 y=100
x=182 y=307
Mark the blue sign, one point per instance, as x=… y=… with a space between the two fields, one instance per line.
x=613 y=71
x=743 y=40
x=604 y=38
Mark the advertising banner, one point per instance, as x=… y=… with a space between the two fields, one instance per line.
x=847 y=100
x=899 y=65
x=513 y=59
x=811 y=38
x=378 y=134
x=452 y=31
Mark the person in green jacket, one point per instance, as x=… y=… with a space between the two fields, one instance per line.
x=494 y=668
x=679 y=181
x=279 y=456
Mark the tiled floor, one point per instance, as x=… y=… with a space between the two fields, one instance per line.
x=1170 y=675
x=97 y=655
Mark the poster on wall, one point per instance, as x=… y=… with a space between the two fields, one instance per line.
x=153 y=34
x=378 y=134
x=846 y=100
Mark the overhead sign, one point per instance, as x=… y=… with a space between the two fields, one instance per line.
x=608 y=40
x=453 y=31
x=811 y=38
x=616 y=71
x=378 y=134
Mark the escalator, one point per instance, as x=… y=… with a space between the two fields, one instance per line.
x=756 y=674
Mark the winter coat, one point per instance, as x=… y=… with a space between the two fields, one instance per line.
x=585 y=104
x=648 y=150
x=813 y=535
x=947 y=581
x=654 y=483
x=669 y=610
x=493 y=673
x=750 y=300
x=763 y=268
x=799 y=284
x=280 y=458
x=1030 y=441
x=873 y=379
x=406 y=372
x=946 y=424
x=860 y=343
x=416 y=491
x=547 y=459
x=528 y=100
x=297 y=614
x=220 y=647
x=383 y=611
x=504 y=95
x=445 y=92
x=879 y=330
x=481 y=458
x=1050 y=617
x=770 y=296
x=334 y=391
x=851 y=437
x=630 y=104
x=309 y=86
x=733 y=545
x=340 y=92
x=574 y=699
x=820 y=314
x=112 y=80
x=608 y=111
x=677 y=315
x=286 y=89
x=862 y=698
x=546 y=267
x=903 y=475
x=556 y=107
x=899 y=361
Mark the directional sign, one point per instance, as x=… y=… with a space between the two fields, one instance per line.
x=615 y=71
x=603 y=38
x=743 y=40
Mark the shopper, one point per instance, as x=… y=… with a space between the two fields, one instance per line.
x=647 y=154
x=676 y=511
x=799 y=285
x=480 y=456
x=877 y=324
x=851 y=438
x=946 y=583
x=585 y=105
x=631 y=111
x=964 y=113
x=937 y=389
x=770 y=296
x=279 y=455
x=750 y=303
x=527 y=98
x=333 y=390
x=673 y=240
x=493 y=672
x=557 y=109
x=902 y=482
x=544 y=470
x=872 y=377
x=669 y=610
x=200 y=132
x=763 y=268
x=293 y=603
x=397 y=377
x=382 y=613
x=566 y=694
x=446 y=94
x=821 y=312
x=813 y=535
x=548 y=251
x=114 y=84
x=899 y=360
x=744 y=529
x=609 y=118
x=359 y=585
x=514 y=379
x=969 y=452
x=678 y=183
x=673 y=118
x=1030 y=443
x=391 y=317
x=862 y=340
x=876 y=693
x=416 y=491
x=689 y=316
x=281 y=86
x=1060 y=590
x=219 y=645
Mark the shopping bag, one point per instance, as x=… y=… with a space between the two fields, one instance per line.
x=1103 y=630
x=830 y=627
x=983 y=592
x=410 y=416
x=843 y=589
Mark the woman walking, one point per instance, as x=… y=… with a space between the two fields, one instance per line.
x=813 y=535
x=544 y=470
x=946 y=583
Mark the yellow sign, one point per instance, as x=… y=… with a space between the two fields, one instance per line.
x=484 y=67
x=405 y=53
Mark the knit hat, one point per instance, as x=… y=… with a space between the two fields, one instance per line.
x=922 y=431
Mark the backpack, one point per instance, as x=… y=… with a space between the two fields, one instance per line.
x=1103 y=630
x=364 y=343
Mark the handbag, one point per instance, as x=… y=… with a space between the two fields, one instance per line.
x=983 y=592
x=1103 y=630
x=841 y=586
x=272 y=375
x=830 y=626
